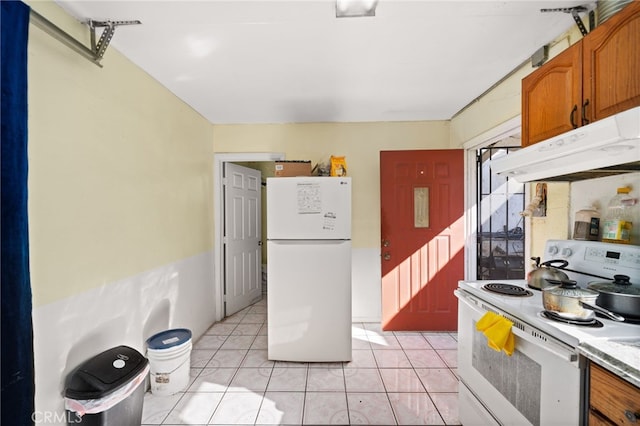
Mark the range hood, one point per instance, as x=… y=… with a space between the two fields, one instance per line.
x=603 y=148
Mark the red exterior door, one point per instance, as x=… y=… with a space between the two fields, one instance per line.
x=422 y=229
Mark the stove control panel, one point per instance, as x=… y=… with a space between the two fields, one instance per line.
x=597 y=258
x=566 y=252
x=613 y=257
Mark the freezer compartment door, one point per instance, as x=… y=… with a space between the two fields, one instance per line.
x=309 y=301
x=308 y=208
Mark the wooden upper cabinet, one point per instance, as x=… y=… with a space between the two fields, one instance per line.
x=551 y=97
x=597 y=77
x=611 y=61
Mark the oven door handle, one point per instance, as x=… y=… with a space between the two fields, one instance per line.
x=543 y=342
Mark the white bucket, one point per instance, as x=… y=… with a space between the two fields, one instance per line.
x=169 y=366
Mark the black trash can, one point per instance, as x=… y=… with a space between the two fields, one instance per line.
x=107 y=390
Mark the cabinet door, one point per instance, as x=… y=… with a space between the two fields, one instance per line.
x=611 y=56
x=551 y=97
x=596 y=419
x=612 y=397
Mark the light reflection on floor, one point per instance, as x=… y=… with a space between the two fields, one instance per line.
x=394 y=378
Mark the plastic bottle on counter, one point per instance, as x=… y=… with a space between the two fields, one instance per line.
x=618 y=219
x=586 y=225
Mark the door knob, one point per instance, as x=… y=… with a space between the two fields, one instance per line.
x=386 y=256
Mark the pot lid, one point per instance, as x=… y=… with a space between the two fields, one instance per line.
x=621 y=285
x=569 y=288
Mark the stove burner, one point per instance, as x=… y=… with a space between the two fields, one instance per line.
x=594 y=323
x=507 y=289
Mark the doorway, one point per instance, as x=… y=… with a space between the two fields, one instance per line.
x=218 y=214
x=507 y=133
x=422 y=230
x=243 y=237
x=501 y=233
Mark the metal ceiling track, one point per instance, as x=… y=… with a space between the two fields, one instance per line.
x=98 y=48
x=574 y=13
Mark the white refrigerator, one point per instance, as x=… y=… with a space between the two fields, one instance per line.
x=309 y=269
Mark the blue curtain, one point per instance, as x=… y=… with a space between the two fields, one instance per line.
x=17 y=330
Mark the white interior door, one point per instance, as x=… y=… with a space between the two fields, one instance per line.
x=242 y=237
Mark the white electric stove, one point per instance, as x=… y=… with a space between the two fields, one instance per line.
x=543 y=382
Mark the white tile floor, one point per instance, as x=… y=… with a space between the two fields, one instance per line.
x=395 y=378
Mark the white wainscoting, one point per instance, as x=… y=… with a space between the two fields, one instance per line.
x=366 y=288
x=126 y=312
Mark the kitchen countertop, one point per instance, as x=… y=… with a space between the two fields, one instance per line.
x=620 y=356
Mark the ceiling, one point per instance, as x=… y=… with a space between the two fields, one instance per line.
x=267 y=61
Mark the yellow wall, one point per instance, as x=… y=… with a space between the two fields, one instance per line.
x=554 y=225
x=501 y=104
x=361 y=143
x=504 y=101
x=119 y=168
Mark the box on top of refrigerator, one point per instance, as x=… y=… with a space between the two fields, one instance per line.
x=292 y=168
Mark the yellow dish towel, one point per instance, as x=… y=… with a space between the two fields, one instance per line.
x=497 y=329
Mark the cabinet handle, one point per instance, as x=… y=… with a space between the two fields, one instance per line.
x=585 y=120
x=386 y=256
x=572 y=117
x=631 y=416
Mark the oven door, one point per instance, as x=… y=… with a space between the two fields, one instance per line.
x=540 y=384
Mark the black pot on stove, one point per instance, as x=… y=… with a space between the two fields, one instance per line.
x=620 y=296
